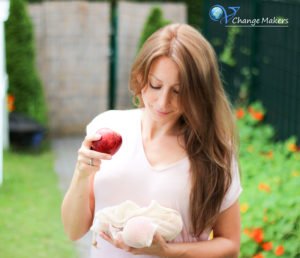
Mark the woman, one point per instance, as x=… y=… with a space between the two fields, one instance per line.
x=179 y=148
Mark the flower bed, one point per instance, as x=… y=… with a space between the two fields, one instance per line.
x=271 y=180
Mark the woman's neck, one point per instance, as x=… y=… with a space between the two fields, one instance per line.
x=152 y=129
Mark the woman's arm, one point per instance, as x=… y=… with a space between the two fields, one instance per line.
x=225 y=244
x=76 y=213
x=226 y=241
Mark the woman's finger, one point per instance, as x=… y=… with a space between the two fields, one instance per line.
x=157 y=238
x=85 y=152
x=106 y=237
x=90 y=138
x=118 y=242
x=97 y=155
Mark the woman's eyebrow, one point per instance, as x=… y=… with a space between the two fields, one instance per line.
x=152 y=75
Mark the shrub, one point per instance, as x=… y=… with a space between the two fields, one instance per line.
x=271 y=181
x=194 y=11
x=24 y=83
x=154 y=22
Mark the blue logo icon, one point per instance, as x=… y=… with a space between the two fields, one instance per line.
x=219 y=13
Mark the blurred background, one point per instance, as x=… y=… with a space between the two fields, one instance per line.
x=64 y=62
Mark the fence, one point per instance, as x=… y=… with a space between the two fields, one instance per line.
x=72 y=55
x=267 y=58
x=76 y=60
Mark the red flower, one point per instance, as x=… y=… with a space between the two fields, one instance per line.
x=240 y=113
x=10 y=103
x=264 y=187
x=257 y=115
x=259 y=255
x=267 y=246
x=268 y=155
x=258 y=235
x=292 y=147
x=279 y=250
x=248 y=232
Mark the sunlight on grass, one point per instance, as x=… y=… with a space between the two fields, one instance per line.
x=30 y=209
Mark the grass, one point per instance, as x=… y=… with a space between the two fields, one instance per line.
x=30 y=223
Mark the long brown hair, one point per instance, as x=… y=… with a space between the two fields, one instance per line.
x=207 y=123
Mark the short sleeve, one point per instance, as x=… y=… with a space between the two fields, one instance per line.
x=100 y=121
x=235 y=188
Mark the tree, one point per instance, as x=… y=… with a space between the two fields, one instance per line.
x=154 y=22
x=24 y=82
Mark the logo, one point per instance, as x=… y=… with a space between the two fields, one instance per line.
x=228 y=17
x=219 y=13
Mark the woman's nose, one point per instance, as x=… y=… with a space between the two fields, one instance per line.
x=164 y=99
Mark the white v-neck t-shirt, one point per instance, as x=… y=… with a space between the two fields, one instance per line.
x=130 y=176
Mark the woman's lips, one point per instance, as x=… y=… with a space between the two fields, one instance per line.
x=163 y=113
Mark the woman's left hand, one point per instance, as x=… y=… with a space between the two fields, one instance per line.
x=158 y=247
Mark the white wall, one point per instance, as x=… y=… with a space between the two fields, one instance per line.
x=72 y=49
x=4 y=9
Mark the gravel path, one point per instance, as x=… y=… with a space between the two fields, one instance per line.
x=65 y=150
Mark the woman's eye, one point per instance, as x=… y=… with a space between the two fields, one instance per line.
x=154 y=86
x=176 y=91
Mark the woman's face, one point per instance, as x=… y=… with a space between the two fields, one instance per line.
x=161 y=93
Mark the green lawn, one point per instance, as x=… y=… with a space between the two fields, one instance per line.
x=30 y=224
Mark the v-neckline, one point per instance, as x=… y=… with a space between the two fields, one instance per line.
x=144 y=156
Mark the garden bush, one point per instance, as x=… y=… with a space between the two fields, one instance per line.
x=271 y=181
x=24 y=83
x=154 y=22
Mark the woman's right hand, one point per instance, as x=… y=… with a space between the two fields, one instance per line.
x=89 y=161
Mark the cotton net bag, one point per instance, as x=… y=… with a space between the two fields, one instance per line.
x=136 y=225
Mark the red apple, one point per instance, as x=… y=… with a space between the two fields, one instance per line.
x=110 y=141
